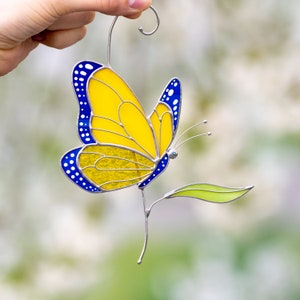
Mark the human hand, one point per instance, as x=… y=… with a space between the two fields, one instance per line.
x=24 y=24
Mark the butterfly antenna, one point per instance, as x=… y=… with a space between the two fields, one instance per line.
x=146 y=235
x=140 y=30
x=191 y=138
x=178 y=140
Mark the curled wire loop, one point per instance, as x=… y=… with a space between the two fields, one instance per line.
x=141 y=30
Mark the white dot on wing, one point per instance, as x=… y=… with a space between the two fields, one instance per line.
x=89 y=66
x=170 y=92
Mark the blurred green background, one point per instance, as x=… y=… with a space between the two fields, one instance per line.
x=239 y=64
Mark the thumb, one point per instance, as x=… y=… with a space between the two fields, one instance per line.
x=109 y=7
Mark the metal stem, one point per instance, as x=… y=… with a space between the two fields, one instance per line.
x=146 y=235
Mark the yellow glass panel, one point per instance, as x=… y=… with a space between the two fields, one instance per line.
x=106 y=131
x=163 y=126
x=137 y=126
x=166 y=136
x=99 y=124
x=110 y=167
x=106 y=90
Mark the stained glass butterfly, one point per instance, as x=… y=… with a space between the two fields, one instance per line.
x=122 y=146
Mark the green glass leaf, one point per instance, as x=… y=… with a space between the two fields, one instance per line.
x=209 y=192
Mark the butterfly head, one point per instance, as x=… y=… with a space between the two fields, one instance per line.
x=172 y=153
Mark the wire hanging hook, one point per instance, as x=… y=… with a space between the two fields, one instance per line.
x=141 y=30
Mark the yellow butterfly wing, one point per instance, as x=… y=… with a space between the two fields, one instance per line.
x=118 y=118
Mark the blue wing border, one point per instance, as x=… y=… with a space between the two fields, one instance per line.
x=81 y=75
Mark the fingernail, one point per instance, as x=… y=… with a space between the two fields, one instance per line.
x=138 y=4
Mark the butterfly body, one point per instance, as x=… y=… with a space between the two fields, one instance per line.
x=121 y=145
